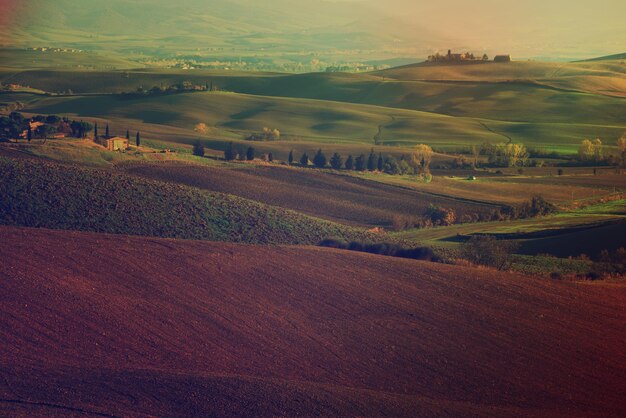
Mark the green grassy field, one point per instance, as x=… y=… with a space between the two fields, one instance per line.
x=570 y=233
x=446 y=106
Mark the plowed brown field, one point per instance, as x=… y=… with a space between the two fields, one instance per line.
x=106 y=325
x=342 y=199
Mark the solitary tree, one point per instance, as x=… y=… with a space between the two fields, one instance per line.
x=198 y=149
x=319 y=159
x=29 y=134
x=349 y=163
x=128 y=135
x=270 y=157
x=304 y=160
x=138 y=139
x=230 y=153
x=290 y=158
x=250 y=154
x=585 y=150
x=336 y=161
x=106 y=134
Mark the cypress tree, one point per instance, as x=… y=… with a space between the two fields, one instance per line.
x=372 y=161
x=381 y=162
x=95 y=131
x=230 y=153
x=198 y=149
x=106 y=133
x=349 y=163
x=29 y=134
x=336 y=161
x=270 y=157
x=250 y=154
x=127 y=134
x=304 y=160
x=360 y=163
x=138 y=139
x=290 y=159
x=319 y=159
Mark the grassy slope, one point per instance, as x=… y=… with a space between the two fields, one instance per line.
x=132 y=326
x=587 y=230
x=49 y=195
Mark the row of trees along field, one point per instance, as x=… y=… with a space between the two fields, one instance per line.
x=417 y=163
x=594 y=152
x=517 y=155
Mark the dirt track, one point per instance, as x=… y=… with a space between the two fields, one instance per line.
x=115 y=325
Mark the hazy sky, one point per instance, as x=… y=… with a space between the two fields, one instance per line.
x=574 y=27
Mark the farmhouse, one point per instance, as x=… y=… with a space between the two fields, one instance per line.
x=116 y=143
x=502 y=58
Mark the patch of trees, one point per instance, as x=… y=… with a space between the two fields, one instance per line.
x=16 y=126
x=266 y=134
x=505 y=155
x=184 y=87
x=231 y=153
x=391 y=250
x=594 y=153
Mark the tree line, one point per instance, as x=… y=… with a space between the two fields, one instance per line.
x=418 y=162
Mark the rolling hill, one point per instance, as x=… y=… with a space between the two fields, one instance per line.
x=49 y=195
x=101 y=325
x=549 y=106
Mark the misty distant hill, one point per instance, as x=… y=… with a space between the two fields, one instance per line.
x=188 y=26
x=607 y=58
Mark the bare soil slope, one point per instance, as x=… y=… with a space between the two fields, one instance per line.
x=107 y=325
x=317 y=193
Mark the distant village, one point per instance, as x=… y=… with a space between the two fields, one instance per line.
x=466 y=57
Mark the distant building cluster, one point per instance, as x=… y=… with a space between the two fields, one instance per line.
x=466 y=57
x=47 y=49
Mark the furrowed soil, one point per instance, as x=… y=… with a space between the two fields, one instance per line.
x=108 y=325
x=338 y=198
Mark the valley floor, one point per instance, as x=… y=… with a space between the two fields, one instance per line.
x=112 y=325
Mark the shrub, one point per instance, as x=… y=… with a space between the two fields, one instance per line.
x=486 y=250
x=441 y=216
x=537 y=206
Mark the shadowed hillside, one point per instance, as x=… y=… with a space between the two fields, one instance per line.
x=100 y=324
